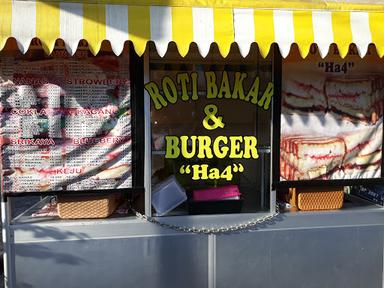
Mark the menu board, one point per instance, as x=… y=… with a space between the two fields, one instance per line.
x=332 y=117
x=65 y=122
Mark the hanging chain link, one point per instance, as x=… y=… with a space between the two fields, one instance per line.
x=211 y=230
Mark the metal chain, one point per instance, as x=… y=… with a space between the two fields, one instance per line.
x=210 y=230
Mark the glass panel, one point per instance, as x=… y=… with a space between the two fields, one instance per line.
x=211 y=122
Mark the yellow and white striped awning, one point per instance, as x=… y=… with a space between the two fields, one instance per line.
x=199 y=21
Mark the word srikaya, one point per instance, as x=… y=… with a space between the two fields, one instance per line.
x=223 y=90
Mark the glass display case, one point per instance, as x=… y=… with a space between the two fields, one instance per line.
x=200 y=84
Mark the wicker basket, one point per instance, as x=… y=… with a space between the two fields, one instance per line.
x=324 y=198
x=89 y=206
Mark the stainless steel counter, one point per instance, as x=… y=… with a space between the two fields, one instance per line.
x=306 y=249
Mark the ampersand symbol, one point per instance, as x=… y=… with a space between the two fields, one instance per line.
x=211 y=122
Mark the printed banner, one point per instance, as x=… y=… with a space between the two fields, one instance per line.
x=332 y=117
x=65 y=121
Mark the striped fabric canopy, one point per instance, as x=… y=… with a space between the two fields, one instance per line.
x=186 y=21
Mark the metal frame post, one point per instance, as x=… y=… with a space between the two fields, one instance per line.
x=9 y=267
x=147 y=140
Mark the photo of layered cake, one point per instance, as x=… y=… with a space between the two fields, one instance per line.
x=363 y=152
x=357 y=99
x=303 y=95
x=307 y=157
x=349 y=155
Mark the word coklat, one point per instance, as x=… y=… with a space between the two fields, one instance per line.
x=214 y=90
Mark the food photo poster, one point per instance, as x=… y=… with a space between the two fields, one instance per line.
x=65 y=121
x=332 y=116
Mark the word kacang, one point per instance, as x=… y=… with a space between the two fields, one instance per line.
x=187 y=84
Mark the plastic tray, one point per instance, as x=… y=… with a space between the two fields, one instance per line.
x=167 y=195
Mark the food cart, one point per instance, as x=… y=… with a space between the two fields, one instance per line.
x=192 y=143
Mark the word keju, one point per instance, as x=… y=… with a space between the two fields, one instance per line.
x=187 y=82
